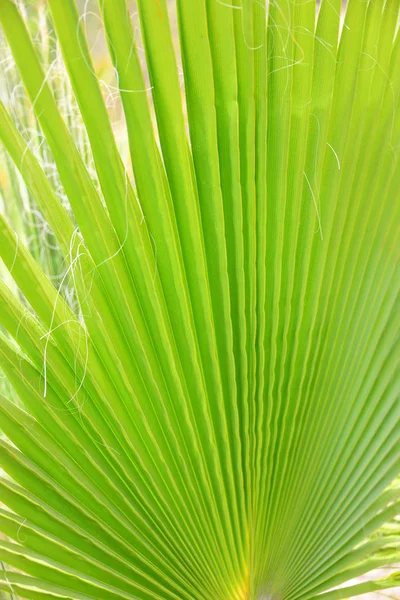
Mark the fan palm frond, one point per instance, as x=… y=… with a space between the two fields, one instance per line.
x=216 y=415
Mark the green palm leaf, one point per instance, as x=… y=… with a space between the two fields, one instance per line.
x=217 y=413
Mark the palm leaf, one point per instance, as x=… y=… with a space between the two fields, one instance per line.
x=217 y=416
